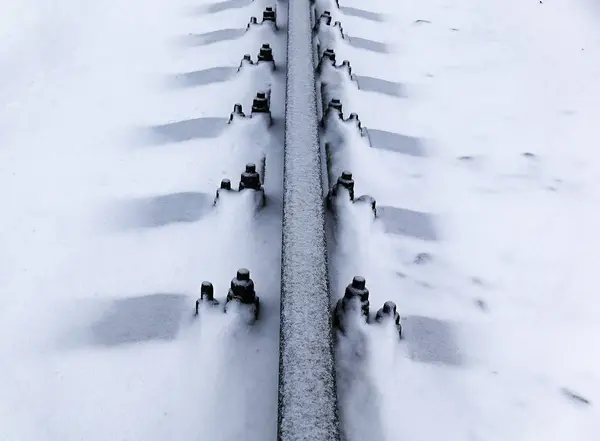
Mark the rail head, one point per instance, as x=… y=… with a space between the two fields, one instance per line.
x=307 y=389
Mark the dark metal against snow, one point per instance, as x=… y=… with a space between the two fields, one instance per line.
x=307 y=392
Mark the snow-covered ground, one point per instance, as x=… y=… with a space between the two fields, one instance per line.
x=98 y=275
x=501 y=310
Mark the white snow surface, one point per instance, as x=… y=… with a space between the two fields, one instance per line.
x=81 y=83
x=501 y=322
x=511 y=282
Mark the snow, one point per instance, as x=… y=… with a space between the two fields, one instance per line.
x=498 y=103
x=82 y=85
x=307 y=394
x=500 y=322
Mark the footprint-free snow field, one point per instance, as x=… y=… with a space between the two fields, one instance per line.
x=112 y=149
x=498 y=299
x=473 y=125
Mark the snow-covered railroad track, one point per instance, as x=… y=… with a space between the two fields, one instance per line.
x=118 y=123
x=323 y=225
x=156 y=174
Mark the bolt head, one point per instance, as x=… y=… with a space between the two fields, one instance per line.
x=329 y=53
x=243 y=274
x=206 y=289
x=389 y=307
x=359 y=282
x=336 y=104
